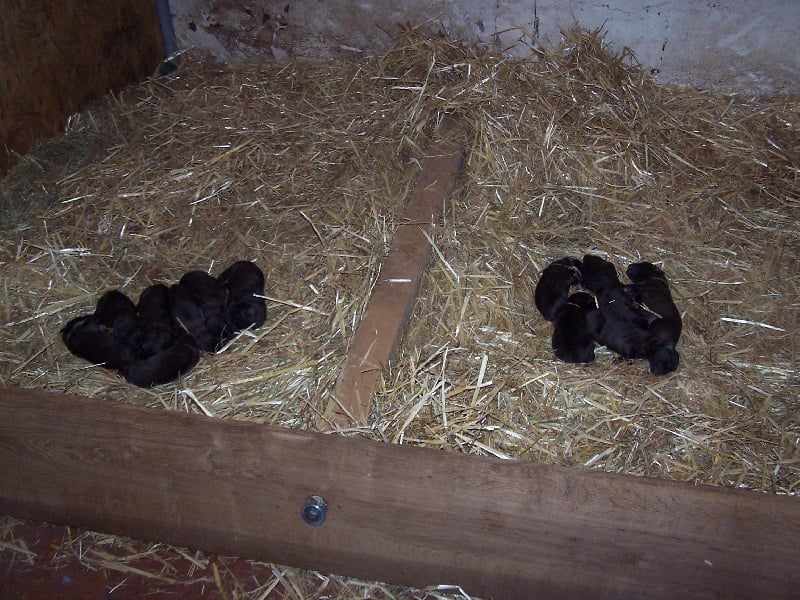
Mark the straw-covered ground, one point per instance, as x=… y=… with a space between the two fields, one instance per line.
x=304 y=168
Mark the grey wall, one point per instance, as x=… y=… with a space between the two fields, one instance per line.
x=739 y=46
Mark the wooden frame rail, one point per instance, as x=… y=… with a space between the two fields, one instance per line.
x=400 y=514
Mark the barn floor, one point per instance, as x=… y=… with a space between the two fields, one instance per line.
x=72 y=564
x=578 y=152
x=67 y=578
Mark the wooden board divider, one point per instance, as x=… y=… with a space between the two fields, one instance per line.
x=399 y=514
x=393 y=295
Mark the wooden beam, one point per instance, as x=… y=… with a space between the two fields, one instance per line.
x=394 y=293
x=399 y=514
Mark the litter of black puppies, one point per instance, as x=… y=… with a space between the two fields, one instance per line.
x=160 y=338
x=589 y=306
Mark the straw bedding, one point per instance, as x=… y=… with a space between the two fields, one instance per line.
x=304 y=168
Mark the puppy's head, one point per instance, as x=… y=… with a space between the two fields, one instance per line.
x=242 y=315
x=242 y=279
x=87 y=338
x=664 y=360
x=569 y=261
x=599 y=274
x=76 y=325
x=554 y=284
x=642 y=271
x=582 y=299
x=154 y=304
x=186 y=309
x=200 y=284
x=113 y=307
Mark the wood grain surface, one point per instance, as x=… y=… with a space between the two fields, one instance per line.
x=395 y=291
x=398 y=514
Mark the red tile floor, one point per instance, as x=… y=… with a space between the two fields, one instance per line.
x=55 y=574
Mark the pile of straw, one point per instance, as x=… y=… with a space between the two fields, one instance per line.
x=304 y=169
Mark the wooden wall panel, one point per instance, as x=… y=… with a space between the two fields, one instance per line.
x=56 y=56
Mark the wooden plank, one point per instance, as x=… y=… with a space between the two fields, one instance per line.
x=399 y=514
x=394 y=293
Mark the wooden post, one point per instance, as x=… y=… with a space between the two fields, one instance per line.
x=394 y=293
x=399 y=514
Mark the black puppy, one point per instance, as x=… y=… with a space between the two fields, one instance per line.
x=619 y=324
x=244 y=281
x=157 y=330
x=92 y=341
x=571 y=340
x=199 y=302
x=164 y=366
x=554 y=284
x=164 y=350
x=104 y=338
x=651 y=289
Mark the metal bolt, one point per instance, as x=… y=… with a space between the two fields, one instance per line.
x=314 y=510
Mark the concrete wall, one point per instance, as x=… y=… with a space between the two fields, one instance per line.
x=734 y=45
